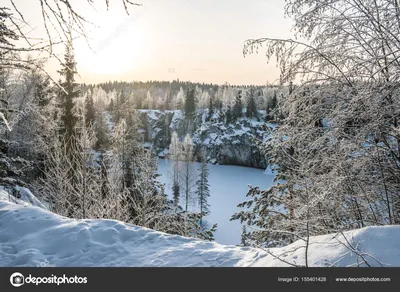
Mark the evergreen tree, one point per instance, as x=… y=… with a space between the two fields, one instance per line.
x=210 y=109
x=27 y=127
x=149 y=204
x=102 y=130
x=244 y=237
x=119 y=107
x=251 y=110
x=238 y=107
x=89 y=110
x=111 y=105
x=105 y=189
x=132 y=147
x=203 y=191
x=68 y=95
x=220 y=105
x=176 y=193
x=128 y=152
x=42 y=90
x=195 y=227
x=271 y=107
x=70 y=133
x=228 y=114
x=190 y=104
x=175 y=150
x=71 y=181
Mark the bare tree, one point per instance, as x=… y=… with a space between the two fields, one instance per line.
x=189 y=173
x=336 y=146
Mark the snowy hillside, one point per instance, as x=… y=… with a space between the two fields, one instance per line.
x=31 y=236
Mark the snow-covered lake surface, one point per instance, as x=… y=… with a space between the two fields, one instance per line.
x=228 y=188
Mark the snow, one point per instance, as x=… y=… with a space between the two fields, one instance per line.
x=147 y=145
x=152 y=114
x=269 y=170
x=378 y=246
x=3 y=118
x=6 y=196
x=31 y=236
x=29 y=198
x=26 y=198
x=163 y=153
x=228 y=188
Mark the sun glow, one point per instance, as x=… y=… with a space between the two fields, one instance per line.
x=116 y=50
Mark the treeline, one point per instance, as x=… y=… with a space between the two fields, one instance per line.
x=229 y=101
x=173 y=86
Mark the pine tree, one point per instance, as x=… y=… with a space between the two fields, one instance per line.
x=70 y=133
x=132 y=147
x=244 y=237
x=175 y=150
x=105 y=189
x=27 y=108
x=271 y=107
x=71 y=176
x=220 y=105
x=251 y=110
x=238 y=108
x=203 y=191
x=89 y=110
x=68 y=95
x=103 y=139
x=190 y=104
x=228 y=114
x=111 y=105
x=128 y=152
x=148 y=203
x=120 y=107
x=210 y=109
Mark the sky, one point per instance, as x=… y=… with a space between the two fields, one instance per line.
x=189 y=40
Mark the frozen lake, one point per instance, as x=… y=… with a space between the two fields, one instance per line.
x=228 y=187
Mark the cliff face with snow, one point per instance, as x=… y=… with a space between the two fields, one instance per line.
x=219 y=142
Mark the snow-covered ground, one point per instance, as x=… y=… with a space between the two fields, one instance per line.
x=228 y=188
x=26 y=198
x=32 y=236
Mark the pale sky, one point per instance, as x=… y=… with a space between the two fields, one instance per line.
x=194 y=40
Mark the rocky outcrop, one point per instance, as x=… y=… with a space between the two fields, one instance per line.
x=218 y=142
x=233 y=143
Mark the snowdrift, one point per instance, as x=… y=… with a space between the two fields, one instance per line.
x=26 y=198
x=32 y=236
